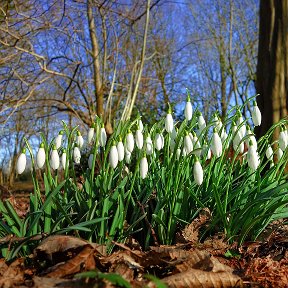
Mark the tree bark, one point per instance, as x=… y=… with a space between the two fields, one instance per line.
x=96 y=63
x=272 y=67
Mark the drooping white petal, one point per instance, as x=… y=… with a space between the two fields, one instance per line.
x=54 y=159
x=76 y=155
x=80 y=141
x=121 y=151
x=113 y=157
x=140 y=125
x=201 y=123
x=40 y=157
x=103 y=137
x=169 y=123
x=159 y=141
x=256 y=115
x=188 y=145
x=143 y=167
x=91 y=133
x=188 y=112
x=149 y=145
x=216 y=144
x=198 y=172
x=129 y=142
x=279 y=153
x=63 y=159
x=127 y=156
x=253 y=157
x=139 y=139
x=58 y=140
x=269 y=152
x=21 y=163
x=283 y=140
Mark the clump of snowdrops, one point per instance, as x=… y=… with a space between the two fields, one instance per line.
x=156 y=178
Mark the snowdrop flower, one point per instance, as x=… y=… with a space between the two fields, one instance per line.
x=120 y=150
x=76 y=155
x=40 y=157
x=139 y=139
x=113 y=156
x=127 y=156
x=90 y=160
x=140 y=125
x=54 y=158
x=169 y=121
x=178 y=153
x=21 y=162
x=148 y=145
x=251 y=137
x=188 y=111
x=279 y=153
x=256 y=114
x=218 y=123
x=239 y=122
x=130 y=142
x=188 y=144
x=198 y=172
x=238 y=144
x=91 y=133
x=201 y=123
x=283 y=140
x=143 y=167
x=63 y=158
x=79 y=140
x=103 y=136
x=206 y=151
x=159 y=141
x=253 y=157
x=216 y=145
x=58 y=140
x=269 y=152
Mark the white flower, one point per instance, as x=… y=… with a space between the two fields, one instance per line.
x=91 y=133
x=253 y=157
x=103 y=137
x=169 y=121
x=216 y=144
x=40 y=157
x=58 y=140
x=178 y=153
x=79 y=140
x=269 y=152
x=54 y=159
x=188 y=145
x=63 y=158
x=76 y=155
x=188 y=112
x=127 y=156
x=159 y=141
x=21 y=162
x=113 y=157
x=239 y=123
x=201 y=123
x=140 y=125
x=143 y=167
x=198 y=172
x=139 y=139
x=121 y=151
x=256 y=114
x=279 y=153
x=90 y=160
x=129 y=142
x=224 y=135
x=238 y=143
x=251 y=137
x=283 y=140
x=149 y=145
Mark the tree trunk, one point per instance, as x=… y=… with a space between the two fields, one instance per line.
x=272 y=67
x=96 y=63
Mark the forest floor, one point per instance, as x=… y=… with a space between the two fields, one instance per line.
x=58 y=260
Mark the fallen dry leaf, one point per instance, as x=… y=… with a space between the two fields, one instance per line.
x=83 y=261
x=44 y=282
x=13 y=275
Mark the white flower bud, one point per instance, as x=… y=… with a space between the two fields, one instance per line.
x=121 y=151
x=54 y=159
x=58 y=139
x=139 y=139
x=279 y=153
x=103 y=137
x=127 y=156
x=256 y=115
x=216 y=144
x=91 y=133
x=21 y=162
x=140 y=125
x=169 y=122
x=198 y=172
x=159 y=141
x=178 y=153
x=143 y=167
x=63 y=158
x=253 y=157
x=129 y=142
x=188 y=145
x=188 y=112
x=269 y=152
x=149 y=145
x=76 y=155
x=79 y=140
x=283 y=140
x=113 y=157
x=201 y=123
x=40 y=157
